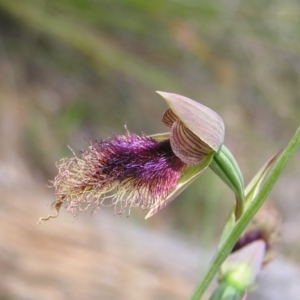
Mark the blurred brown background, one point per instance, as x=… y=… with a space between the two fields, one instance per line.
x=72 y=71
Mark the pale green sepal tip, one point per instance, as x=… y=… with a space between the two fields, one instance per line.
x=189 y=175
x=160 y=136
x=191 y=172
x=226 y=167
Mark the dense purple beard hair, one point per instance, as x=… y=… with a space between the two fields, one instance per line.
x=126 y=170
x=138 y=162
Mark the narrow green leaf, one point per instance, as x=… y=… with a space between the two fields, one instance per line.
x=253 y=187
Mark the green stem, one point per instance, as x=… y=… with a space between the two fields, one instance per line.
x=226 y=167
x=242 y=223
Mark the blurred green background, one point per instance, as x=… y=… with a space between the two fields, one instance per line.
x=76 y=70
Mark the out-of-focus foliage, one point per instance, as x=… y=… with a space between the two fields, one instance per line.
x=81 y=69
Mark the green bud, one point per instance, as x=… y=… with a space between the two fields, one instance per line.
x=242 y=267
x=226 y=292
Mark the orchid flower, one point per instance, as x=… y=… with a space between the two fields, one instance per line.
x=133 y=170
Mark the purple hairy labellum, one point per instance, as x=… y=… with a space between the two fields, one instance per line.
x=127 y=170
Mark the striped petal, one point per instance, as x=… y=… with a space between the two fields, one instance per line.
x=169 y=117
x=186 y=145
